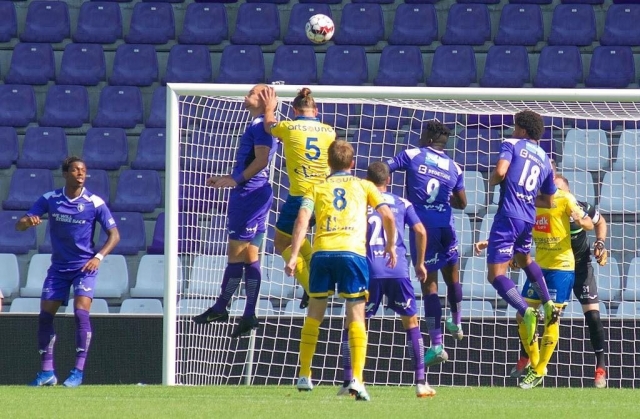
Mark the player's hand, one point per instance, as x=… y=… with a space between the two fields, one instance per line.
x=222 y=182
x=290 y=267
x=600 y=252
x=33 y=220
x=513 y=264
x=478 y=247
x=269 y=98
x=91 y=265
x=421 y=272
x=390 y=252
x=211 y=180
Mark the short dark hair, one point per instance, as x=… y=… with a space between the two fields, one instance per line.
x=66 y=164
x=340 y=155
x=531 y=122
x=564 y=179
x=435 y=131
x=378 y=173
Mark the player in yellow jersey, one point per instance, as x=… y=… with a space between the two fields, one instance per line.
x=339 y=257
x=305 y=143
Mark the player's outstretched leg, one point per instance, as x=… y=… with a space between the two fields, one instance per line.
x=248 y=321
x=46 y=343
x=453 y=324
x=230 y=281
x=433 y=316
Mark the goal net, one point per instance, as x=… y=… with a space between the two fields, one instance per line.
x=593 y=137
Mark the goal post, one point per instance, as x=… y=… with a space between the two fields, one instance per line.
x=591 y=133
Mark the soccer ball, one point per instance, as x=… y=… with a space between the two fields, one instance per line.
x=319 y=29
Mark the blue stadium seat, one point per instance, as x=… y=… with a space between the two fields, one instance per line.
x=559 y=66
x=17 y=105
x=151 y=23
x=188 y=64
x=82 y=64
x=453 y=66
x=531 y=1
x=47 y=21
x=204 y=24
x=611 y=67
x=414 y=24
x=506 y=66
x=119 y=106
x=621 y=25
x=132 y=234
x=511 y=31
x=192 y=196
x=256 y=24
x=99 y=22
x=105 y=148
x=151 y=153
x=8 y=147
x=628 y=152
x=587 y=1
x=9 y=22
x=137 y=190
x=31 y=63
x=345 y=65
x=97 y=181
x=585 y=150
x=188 y=235
x=573 y=24
x=26 y=186
x=158 y=113
x=382 y=117
x=615 y=202
x=360 y=24
x=43 y=148
x=300 y=14
x=338 y=115
x=11 y=240
x=321 y=1
x=66 y=106
x=241 y=64
x=421 y=1
x=489 y=121
x=134 y=65
x=157 y=241
x=400 y=66
x=295 y=64
x=477 y=149
x=467 y=24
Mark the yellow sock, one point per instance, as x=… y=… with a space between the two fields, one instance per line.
x=549 y=342
x=308 y=342
x=532 y=349
x=358 y=347
x=302 y=266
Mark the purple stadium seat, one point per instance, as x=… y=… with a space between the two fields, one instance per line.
x=241 y=64
x=593 y=124
x=105 y=148
x=132 y=234
x=421 y=1
x=17 y=105
x=453 y=66
x=300 y=14
x=82 y=64
x=43 y=148
x=414 y=24
x=418 y=117
x=611 y=67
x=531 y=1
x=506 y=66
x=477 y=149
x=120 y=107
x=583 y=1
x=158 y=113
x=66 y=106
x=47 y=21
x=8 y=147
x=137 y=190
x=573 y=24
x=621 y=25
x=194 y=196
x=97 y=181
x=99 y=22
x=370 y=146
x=9 y=23
x=559 y=66
x=360 y=24
x=157 y=242
x=188 y=64
x=31 y=64
x=467 y=24
x=511 y=31
x=188 y=235
x=45 y=246
x=321 y=1
x=11 y=240
x=204 y=24
x=382 y=117
x=400 y=66
x=216 y=1
x=489 y=121
x=152 y=146
x=256 y=24
x=26 y=186
x=345 y=65
x=338 y=115
x=134 y=65
x=151 y=23
x=295 y=64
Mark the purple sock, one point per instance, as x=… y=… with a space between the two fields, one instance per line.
x=230 y=282
x=433 y=317
x=508 y=291
x=454 y=296
x=347 y=371
x=252 y=279
x=538 y=283
x=46 y=340
x=416 y=349
x=83 y=337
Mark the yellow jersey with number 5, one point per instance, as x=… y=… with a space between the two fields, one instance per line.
x=305 y=143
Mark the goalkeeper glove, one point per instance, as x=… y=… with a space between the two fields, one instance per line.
x=600 y=252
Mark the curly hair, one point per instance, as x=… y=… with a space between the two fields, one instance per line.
x=531 y=122
x=436 y=132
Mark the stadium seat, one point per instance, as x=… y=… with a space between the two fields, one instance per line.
x=82 y=64
x=256 y=24
x=99 y=22
x=25 y=305
x=206 y=276
x=192 y=196
x=606 y=125
x=511 y=31
x=292 y=309
x=98 y=306
x=559 y=66
x=453 y=66
x=119 y=107
x=474 y=279
x=158 y=112
x=275 y=283
x=113 y=277
x=66 y=106
x=581 y=184
x=414 y=24
x=477 y=149
x=321 y=1
x=214 y=235
x=624 y=242
x=476 y=308
x=400 y=66
x=628 y=309
x=263 y=307
x=47 y=21
x=300 y=14
x=609 y=280
x=612 y=200
x=193 y=306
x=157 y=241
x=475 y=187
x=144 y=306
x=338 y=115
x=97 y=181
x=573 y=24
x=8 y=147
x=105 y=148
x=134 y=65
x=36 y=274
x=573 y=310
x=632 y=289
x=11 y=240
x=620 y=26
x=611 y=67
x=465 y=234
x=628 y=151
x=360 y=24
x=151 y=23
x=506 y=66
x=137 y=190
x=17 y=105
x=295 y=64
x=600 y=2
x=132 y=234
x=151 y=152
x=585 y=150
x=188 y=64
x=26 y=186
x=204 y=24
x=241 y=64
x=43 y=148
x=345 y=65
x=150 y=277
x=381 y=117
x=31 y=64
x=467 y=24
x=369 y=146
x=10 y=279
x=9 y=22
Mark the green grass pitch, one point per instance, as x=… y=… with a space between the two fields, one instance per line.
x=284 y=402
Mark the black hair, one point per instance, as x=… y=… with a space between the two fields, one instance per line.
x=434 y=132
x=531 y=122
x=66 y=164
x=378 y=173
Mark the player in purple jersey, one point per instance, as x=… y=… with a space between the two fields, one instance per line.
x=434 y=186
x=73 y=212
x=247 y=211
x=526 y=181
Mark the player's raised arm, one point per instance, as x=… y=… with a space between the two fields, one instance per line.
x=270 y=99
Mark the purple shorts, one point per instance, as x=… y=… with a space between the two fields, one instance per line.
x=508 y=236
x=247 y=212
x=399 y=292
x=57 y=283
x=442 y=248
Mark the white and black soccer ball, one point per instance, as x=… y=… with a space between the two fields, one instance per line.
x=319 y=28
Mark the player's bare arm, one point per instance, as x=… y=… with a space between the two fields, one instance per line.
x=458 y=199
x=478 y=247
x=421 y=250
x=499 y=173
x=599 y=250
x=299 y=233
x=586 y=223
x=259 y=162
x=27 y=221
x=113 y=238
x=389 y=226
x=270 y=99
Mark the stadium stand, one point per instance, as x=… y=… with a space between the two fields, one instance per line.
x=9 y=23
x=134 y=65
x=300 y=14
x=46 y=21
x=31 y=63
x=66 y=106
x=82 y=64
x=151 y=23
x=204 y=24
x=8 y=147
x=360 y=24
x=26 y=186
x=256 y=24
x=105 y=148
x=414 y=24
x=98 y=22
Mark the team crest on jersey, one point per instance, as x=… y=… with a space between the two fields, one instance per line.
x=80 y=207
x=543 y=224
x=431 y=159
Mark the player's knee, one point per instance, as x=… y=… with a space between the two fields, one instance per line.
x=45 y=318
x=592 y=318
